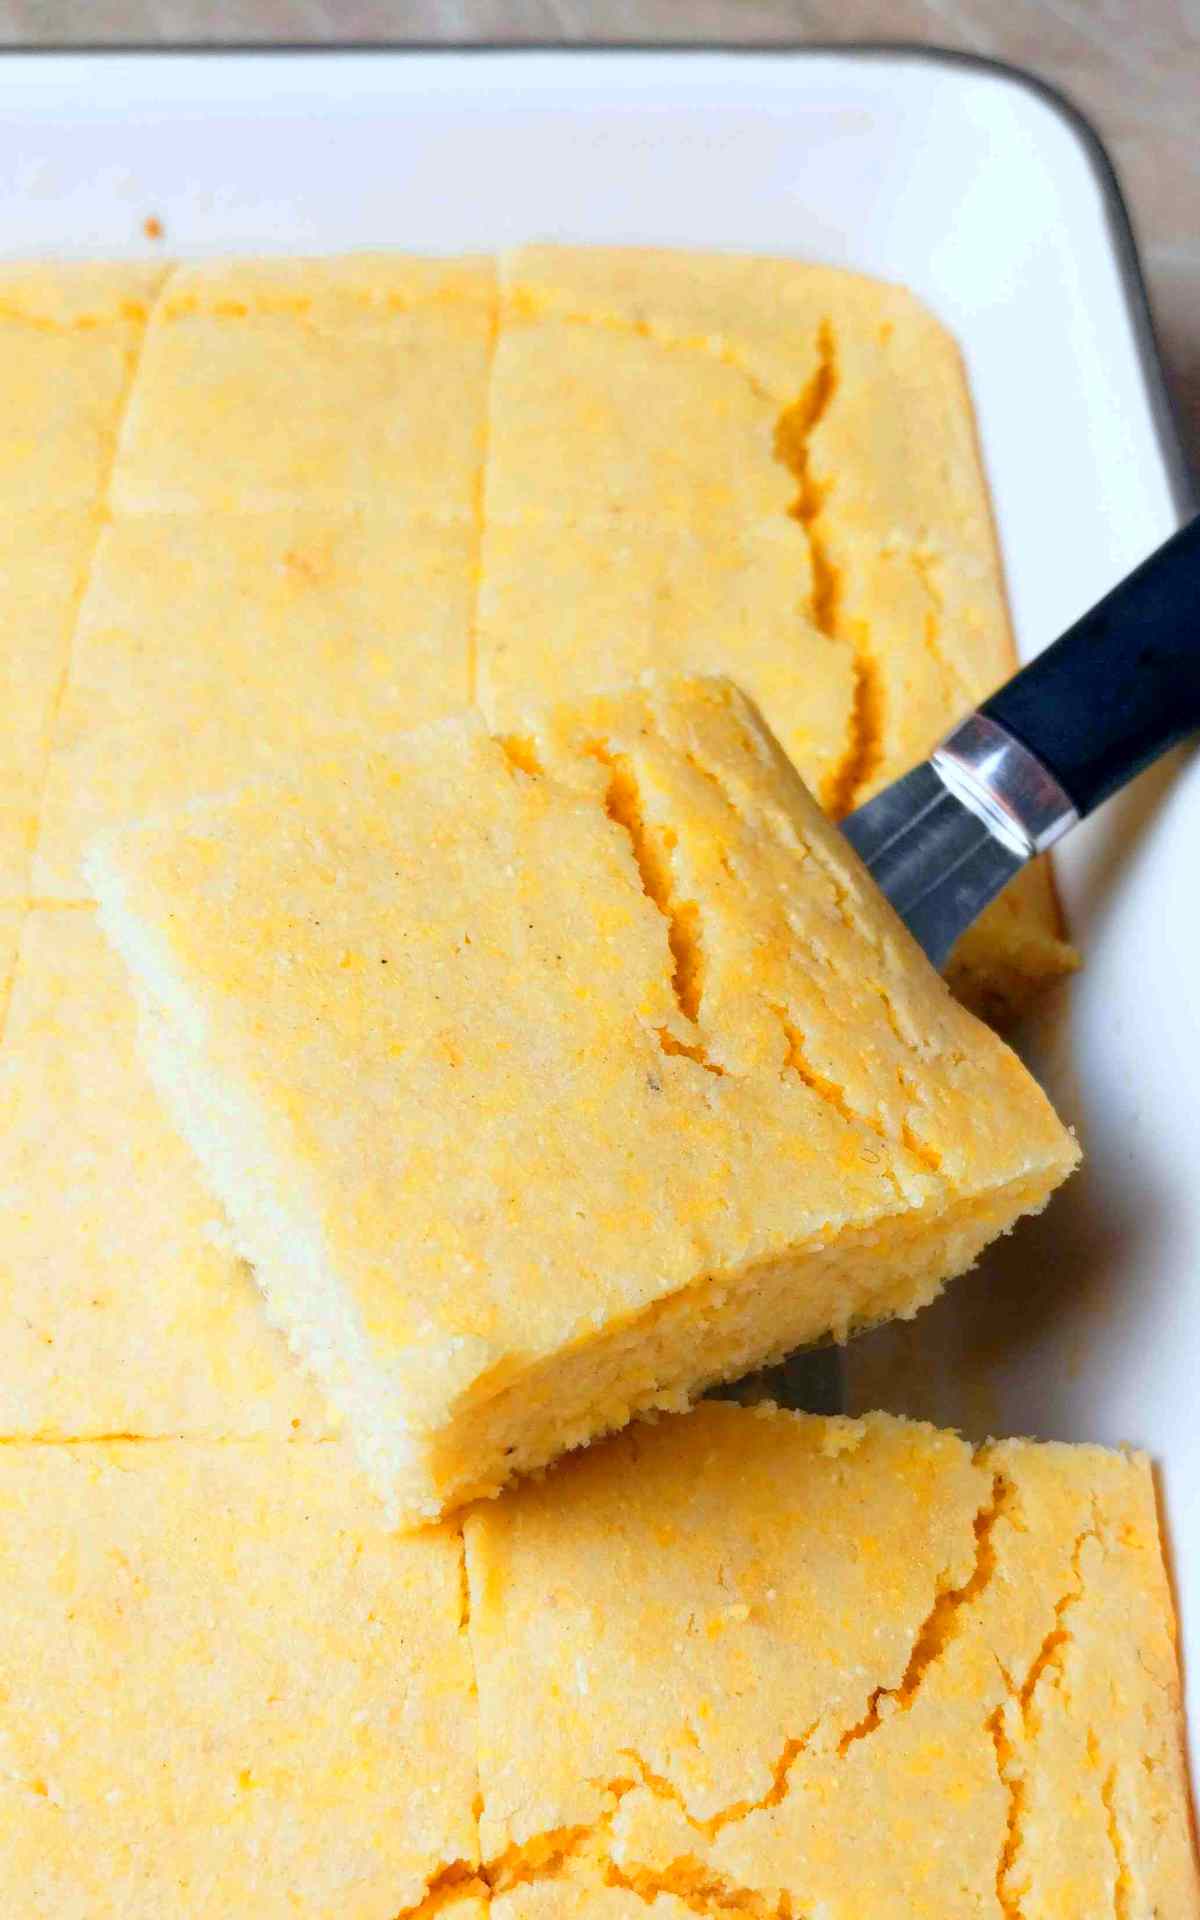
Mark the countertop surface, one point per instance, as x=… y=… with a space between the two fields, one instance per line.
x=1132 y=66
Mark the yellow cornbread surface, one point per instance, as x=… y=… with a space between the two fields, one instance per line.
x=781 y=483
x=225 y=1689
x=739 y=1660
x=551 y=1078
x=123 y=1308
x=292 y=547
x=754 y=1661
x=68 y=344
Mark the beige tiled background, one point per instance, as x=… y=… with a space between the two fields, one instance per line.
x=1132 y=65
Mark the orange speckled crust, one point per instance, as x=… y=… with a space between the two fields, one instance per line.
x=752 y=1661
x=548 y=1079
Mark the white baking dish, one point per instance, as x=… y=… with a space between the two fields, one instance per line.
x=991 y=201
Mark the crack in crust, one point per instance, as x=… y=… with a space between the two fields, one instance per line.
x=1048 y=1660
x=794 y=432
x=944 y=1621
x=652 y=856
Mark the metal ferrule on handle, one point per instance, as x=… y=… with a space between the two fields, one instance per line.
x=1004 y=785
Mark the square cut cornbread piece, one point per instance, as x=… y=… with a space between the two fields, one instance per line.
x=211 y=646
x=123 y=1308
x=226 y=1689
x=781 y=483
x=354 y=381
x=754 y=1661
x=552 y=1078
x=68 y=341
x=293 y=551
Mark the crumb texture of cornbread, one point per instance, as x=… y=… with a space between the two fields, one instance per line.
x=758 y=1662
x=124 y=1308
x=226 y=1689
x=292 y=539
x=550 y=1078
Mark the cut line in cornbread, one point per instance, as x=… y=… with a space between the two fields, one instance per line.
x=228 y=1690
x=276 y=633
x=68 y=342
x=124 y=1307
x=549 y=1079
x=781 y=483
x=43 y=560
x=754 y=1661
x=323 y=385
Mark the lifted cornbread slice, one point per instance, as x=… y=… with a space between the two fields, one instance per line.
x=68 y=338
x=210 y=647
x=323 y=384
x=124 y=1308
x=764 y=440
x=551 y=1078
x=225 y=1689
x=756 y=1661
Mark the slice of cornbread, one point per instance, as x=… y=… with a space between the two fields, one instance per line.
x=781 y=483
x=228 y=1689
x=212 y=646
x=550 y=1078
x=42 y=562
x=68 y=340
x=753 y=1661
x=326 y=384
x=123 y=1307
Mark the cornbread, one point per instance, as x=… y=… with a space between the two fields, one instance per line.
x=738 y=1661
x=550 y=1078
x=357 y=493
x=292 y=547
x=68 y=337
x=227 y=1689
x=124 y=1309
x=781 y=484
x=279 y=631
x=754 y=1661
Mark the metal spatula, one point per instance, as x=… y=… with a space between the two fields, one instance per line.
x=1119 y=688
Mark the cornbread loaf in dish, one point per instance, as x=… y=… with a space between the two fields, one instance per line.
x=228 y=1689
x=551 y=1077
x=738 y=1661
x=753 y=1661
x=288 y=502
x=126 y=1310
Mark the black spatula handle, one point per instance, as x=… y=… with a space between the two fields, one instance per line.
x=1121 y=686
